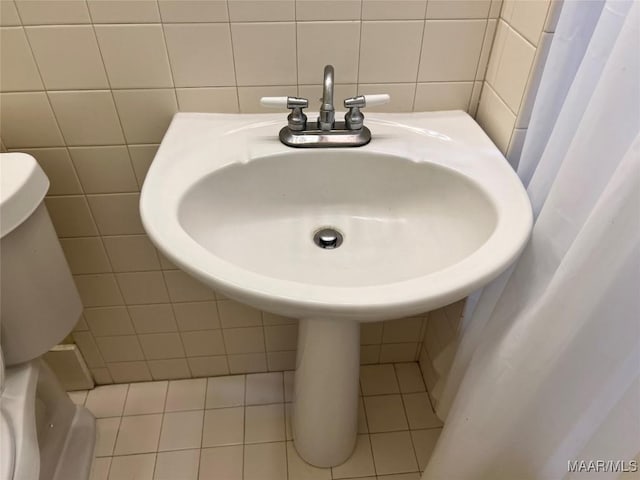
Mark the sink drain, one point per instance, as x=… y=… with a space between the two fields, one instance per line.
x=327 y=238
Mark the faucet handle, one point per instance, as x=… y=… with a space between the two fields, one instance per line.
x=297 y=119
x=284 y=102
x=367 y=100
x=376 y=99
x=354 y=119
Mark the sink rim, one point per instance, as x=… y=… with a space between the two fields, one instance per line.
x=398 y=135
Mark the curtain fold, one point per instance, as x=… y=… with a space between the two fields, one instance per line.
x=551 y=355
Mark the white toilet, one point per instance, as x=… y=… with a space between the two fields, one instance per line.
x=43 y=435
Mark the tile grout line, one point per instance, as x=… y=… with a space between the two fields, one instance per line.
x=224 y=344
x=284 y=424
x=406 y=414
x=201 y=87
x=115 y=441
x=424 y=30
x=233 y=56
x=113 y=98
x=134 y=24
x=164 y=406
x=484 y=39
x=244 y=418
x=166 y=51
x=91 y=212
x=164 y=278
x=359 y=63
x=264 y=344
x=204 y=413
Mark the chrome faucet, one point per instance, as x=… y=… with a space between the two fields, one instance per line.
x=327 y=112
x=326 y=132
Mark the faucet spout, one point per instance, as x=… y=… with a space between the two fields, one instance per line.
x=327 y=111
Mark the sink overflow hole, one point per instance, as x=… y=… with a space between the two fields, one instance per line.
x=327 y=238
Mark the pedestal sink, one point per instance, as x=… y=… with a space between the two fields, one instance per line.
x=426 y=213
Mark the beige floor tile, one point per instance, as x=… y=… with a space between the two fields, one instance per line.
x=409 y=377
x=106 y=434
x=145 y=397
x=186 y=395
x=424 y=442
x=264 y=423
x=360 y=464
x=385 y=413
x=223 y=426
x=221 y=463
x=378 y=379
x=225 y=391
x=419 y=411
x=393 y=453
x=301 y=470
x=263 y=388
x=135 y=467
x=265 y=461
x=181 y=430
x=138 y=434
x=107 y=401
x=181 y=465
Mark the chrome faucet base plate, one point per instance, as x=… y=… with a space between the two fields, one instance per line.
x=314 y=137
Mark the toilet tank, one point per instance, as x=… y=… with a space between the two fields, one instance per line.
x=39 y=302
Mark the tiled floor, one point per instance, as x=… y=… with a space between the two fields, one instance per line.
x=238 y=428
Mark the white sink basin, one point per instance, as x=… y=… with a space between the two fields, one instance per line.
x=429 y=211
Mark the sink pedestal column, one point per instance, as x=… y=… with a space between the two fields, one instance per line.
x=325 y=411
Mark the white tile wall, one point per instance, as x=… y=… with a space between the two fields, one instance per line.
x=258 y=11
x=123 y=11
x=19 y=71
x=458 y=8
x=510 y=64
x=451 y=50
x=497 y=119
x=28 y=121
x=104 y=169
x=339 y=47
x=440 y=335
x=380 y=59
x=87 y=117
x=89 y=89
x=68 y=57
x=43 y=12
x=200 y=54
x=145 y=114
x=212 y=100
x=527 y=18
x=56 y=163
x=85 y=255
x=328 y=10
x=393 y=9
x=522 y=41
x=193 y=11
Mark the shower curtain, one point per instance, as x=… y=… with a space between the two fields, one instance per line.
x=546 y=377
